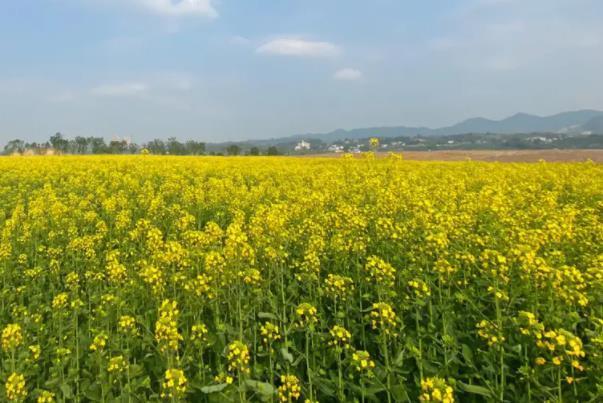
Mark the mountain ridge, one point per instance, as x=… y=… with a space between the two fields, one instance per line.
x=582 y=121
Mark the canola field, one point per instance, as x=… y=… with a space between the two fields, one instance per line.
x=144 y=278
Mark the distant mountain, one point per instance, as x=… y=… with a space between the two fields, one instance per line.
x=576 y=122
x=595 y=125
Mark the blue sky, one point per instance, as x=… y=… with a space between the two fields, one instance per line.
x=219 y=70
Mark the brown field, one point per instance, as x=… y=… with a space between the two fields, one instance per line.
x=498 y=155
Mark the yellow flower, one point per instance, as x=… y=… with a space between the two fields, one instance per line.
x=270 y=333
x=436 y=390
x=46 y=397
x=290 y=388
x=383 y=317
x=340 y=337
x=99 y=343
x=127 y=325
x=238 y=357
x=60 y=301
x=419 y=288
x=12 y=337
x=224 y=378
x=306 y=314
x=380 y=271
x=35 y=351
x=199 y=333
x=489 y=331
x=337 y=286
x=117 y=364
x=174 y=384
x=166 y=327
x=15 y=387
x=362 y=362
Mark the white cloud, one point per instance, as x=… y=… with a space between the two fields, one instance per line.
x=120 y=90
x=239 y=40
x=180 y=8
x=299 y=47
x=347 y=74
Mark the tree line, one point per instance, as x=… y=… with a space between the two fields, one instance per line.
x=79 y=145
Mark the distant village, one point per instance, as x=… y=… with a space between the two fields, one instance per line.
x=461 y=141
x=59 y=144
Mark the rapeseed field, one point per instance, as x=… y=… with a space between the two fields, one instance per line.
x=146 y=278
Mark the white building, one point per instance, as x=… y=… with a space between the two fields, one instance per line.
x=303 y=145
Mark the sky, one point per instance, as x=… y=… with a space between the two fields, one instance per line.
x=221 y=70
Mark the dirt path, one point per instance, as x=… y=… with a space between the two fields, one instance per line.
x=498 y=155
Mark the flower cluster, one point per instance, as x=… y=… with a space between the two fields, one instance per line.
x=117 y=364
x=270 y=333
x=362 y=362
x=174 y=384
x=12 y=337
x=15 y=387
x=199 y=333
x=490 y=332
x=436 y=390
x=380 y=271
x=238 y=357
x=340 y=337
x=306 y=314
x=383 y=317
x=166 y=327
x=419 y=289
x=337 y=286
x=99 y=343
x=127 y=325
x=290 y=388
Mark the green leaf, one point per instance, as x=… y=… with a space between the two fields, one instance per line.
x=399 y=360
x=287 y=355
x=475 y=389
x=467 y=354
x=67 y=391
x=214 y=388
x=262 y=388
x=267 y=315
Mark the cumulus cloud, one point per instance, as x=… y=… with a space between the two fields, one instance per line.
x=347 y=74
x=299 y=47
x=120 y=90
x=179 y=8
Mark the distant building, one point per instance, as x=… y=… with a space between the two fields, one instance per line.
x=303 y=146
x=334 y=148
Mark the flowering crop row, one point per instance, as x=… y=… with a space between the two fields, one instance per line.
x=149 y=278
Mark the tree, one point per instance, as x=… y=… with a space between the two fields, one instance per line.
x=254 y=151
x=133 y=148
x=272 y=150
x=174 y=147
x=97 y=145
x=81 y=145
x=118 y=146
x=194 y=147
x=59 y=143
x=233 y=149
x=35 y=148
x=156 y=147
x=14 y=146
